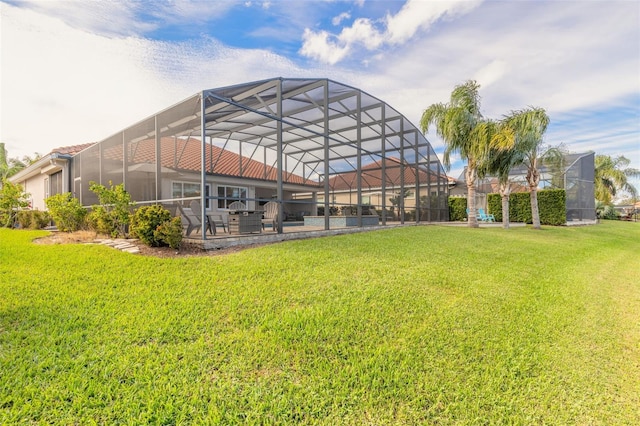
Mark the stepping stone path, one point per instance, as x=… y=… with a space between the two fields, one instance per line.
x=121 y=244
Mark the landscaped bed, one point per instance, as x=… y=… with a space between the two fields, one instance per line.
x=416 y=325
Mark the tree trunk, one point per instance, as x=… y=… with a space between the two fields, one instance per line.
x=533 y=178
x=505 y=192
x=470 y=177
x=535 y=214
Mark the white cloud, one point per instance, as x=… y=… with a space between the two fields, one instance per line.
x=362 y=32
x=323 y=47
x=397 y=29
x=106 y=17
x=337 y=20
x=417 y=14
x=491 y=73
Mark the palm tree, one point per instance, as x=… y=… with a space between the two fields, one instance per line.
x=457 y=123
x=500 y=162
x=611 y=175
x=8 y=166
x=522 y=131
x=556 y=161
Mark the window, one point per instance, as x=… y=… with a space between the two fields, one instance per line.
x=229 y=194
x=187 y=189
x=56 y=183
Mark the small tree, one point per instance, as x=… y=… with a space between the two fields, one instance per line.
x=12 y=199
x=113 y=215
x=398 y=202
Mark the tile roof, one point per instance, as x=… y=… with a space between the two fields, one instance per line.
x=186 y=155
x=72 y=149
x=372 y=176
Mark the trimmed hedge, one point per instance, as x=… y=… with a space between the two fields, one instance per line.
x=551 y=204
x=457 y=209
x=554 y=202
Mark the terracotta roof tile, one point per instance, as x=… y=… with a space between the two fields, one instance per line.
x=372 y=176
x=185 y=155
x=72 y=149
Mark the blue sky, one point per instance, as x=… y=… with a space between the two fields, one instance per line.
x=79 y=71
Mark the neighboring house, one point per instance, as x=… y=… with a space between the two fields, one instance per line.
x=427 y=186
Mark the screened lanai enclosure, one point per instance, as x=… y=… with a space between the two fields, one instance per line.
x=315 y=147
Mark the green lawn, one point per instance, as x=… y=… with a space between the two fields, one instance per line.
x=419 y=325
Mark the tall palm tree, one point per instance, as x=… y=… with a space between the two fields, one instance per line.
x=457 y=123
x=611 y=175
x=522 y=131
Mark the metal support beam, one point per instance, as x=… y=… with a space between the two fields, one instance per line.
x=401 y=199
x=280 y=190
x=158 y=154
x=417 y=174
x=203 y=169
x=383 y=151
x=359 y=159
x=327 y=209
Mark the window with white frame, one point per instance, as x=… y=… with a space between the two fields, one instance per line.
x=188 y=189
x=229 y=194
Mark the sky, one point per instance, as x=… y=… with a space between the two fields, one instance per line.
x=77 y=71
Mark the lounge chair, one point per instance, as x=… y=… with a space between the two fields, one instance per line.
x=485 y=217
x=270 y=215
x=477 y=215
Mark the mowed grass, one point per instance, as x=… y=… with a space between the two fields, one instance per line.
x=419 y=325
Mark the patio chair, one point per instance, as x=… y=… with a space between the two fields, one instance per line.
x=190 y=221
x=270 y=215
x=485 y=217
x=237 y=205
x=213 y=220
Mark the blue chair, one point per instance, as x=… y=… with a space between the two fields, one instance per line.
x=485 y=217
x=477 y=215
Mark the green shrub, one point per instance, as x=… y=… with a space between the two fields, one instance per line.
x=170 y=233
x=113 y=214
x=146 y=221
x=551 y=205
x=609 y=212
x=12 y=199
x=494 y=206
x=457 y=209
x=24 y=219
x=66 y=211
x=33 y=219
